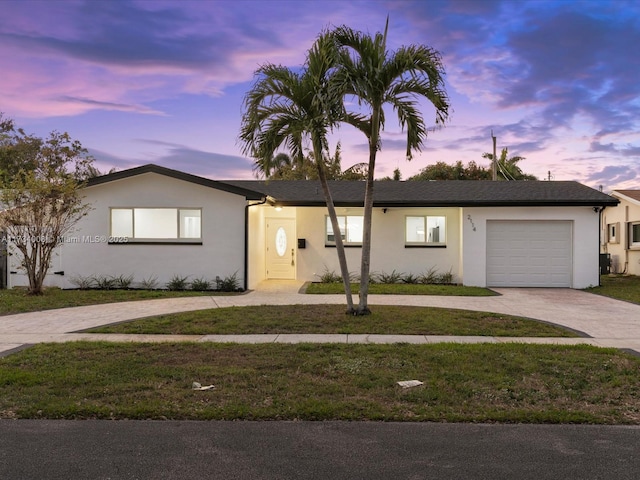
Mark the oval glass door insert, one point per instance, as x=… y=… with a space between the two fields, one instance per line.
x=281 y=242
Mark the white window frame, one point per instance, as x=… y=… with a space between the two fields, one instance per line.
x=347 y=233
x=427 y=221
x=182 y=236
x=634 y=242
x=613 y=232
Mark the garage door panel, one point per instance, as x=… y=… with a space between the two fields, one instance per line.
x=529 y=253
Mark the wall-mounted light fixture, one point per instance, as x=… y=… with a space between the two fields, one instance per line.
x=278 y=209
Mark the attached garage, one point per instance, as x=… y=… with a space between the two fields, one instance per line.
x=525 y=253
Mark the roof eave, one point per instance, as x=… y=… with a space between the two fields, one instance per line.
x=187 y=177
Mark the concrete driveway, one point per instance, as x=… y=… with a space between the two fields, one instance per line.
x=608 y=322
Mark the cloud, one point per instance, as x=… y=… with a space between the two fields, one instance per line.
x=109 y=105
x=625 y=151
x=218 y=166
x=614 y=175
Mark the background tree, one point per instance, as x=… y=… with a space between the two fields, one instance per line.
x=376 y=77
x=508 y=168
x=281 y=167
x=40 y=196
x=285 y=108
x=458 y=171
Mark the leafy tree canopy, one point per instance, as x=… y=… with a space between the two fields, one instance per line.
x=40 y=195
x=507 y=169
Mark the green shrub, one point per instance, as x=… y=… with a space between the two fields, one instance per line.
x=104 y=282
x=178 y=283
x=123 y=282
x=430 y=276
x=410 y=278
x=149 y=283
x=393 y=277
x=83 y=283
x=445 y=278
x=329 y=276
x=201 y=284
x=228 y=284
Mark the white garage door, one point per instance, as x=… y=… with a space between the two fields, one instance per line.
x=529 y=253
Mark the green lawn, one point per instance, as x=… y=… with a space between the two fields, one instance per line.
x=462 y=383
x=332 y=319
x=402 y=289
x=619 y=286
x=16 y=300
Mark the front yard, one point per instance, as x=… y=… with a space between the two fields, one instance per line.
x=462 y=383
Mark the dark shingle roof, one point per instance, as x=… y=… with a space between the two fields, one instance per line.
x=187 y=177
x=449 y=193
x=433 y=193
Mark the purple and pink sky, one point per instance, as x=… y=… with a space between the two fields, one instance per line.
x=149 y=81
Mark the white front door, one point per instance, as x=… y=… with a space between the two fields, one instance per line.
x=281 y=248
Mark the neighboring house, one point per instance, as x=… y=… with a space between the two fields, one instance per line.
x=153 y=221
x=621 y=232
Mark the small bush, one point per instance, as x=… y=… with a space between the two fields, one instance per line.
x=445 y=278
x=149 y=283
x=228 y=284
x=201 y=285
x=123 y=282
x=410 y=278
x=430 y=276
x=388 y=278
x=329 y=276
x=104 y=282
x=178 y=283
x=83 y=283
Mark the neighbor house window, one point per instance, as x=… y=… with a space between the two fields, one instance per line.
x=634 y=232
x=425 y=230
x=350 y=230
x=156 y=224
x=612 y=232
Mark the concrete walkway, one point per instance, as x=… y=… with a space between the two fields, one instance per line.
x=604 y=321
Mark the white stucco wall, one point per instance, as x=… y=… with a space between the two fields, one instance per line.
x=624 y=259
x=585 y=239
x=388 y=246
x=221 y=253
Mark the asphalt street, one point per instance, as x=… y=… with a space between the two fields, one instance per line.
x=51 y=449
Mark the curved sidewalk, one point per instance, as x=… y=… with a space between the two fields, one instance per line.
x=603 y=321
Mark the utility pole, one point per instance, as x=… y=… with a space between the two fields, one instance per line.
x=494 y=164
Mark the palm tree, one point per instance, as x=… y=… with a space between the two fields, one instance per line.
x=508 y=168
x=268 y=167
x=400 y=79
x=285 y=108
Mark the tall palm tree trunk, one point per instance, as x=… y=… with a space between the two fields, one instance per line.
x=365 y=265
x=342 y=257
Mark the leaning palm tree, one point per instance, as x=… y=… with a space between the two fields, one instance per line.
x=285 y=108
x=508 y=168
x=400 y=79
